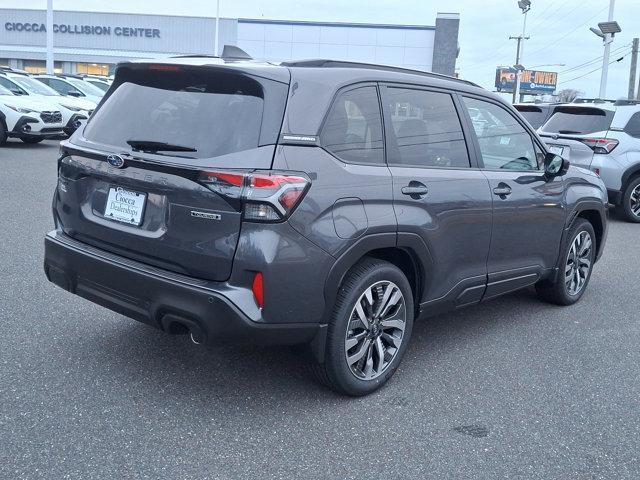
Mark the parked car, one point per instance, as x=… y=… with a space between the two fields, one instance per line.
x=100 y=82
x=71 y=86
x=73 y=110
x=604 y=138
x=536 y=113
x=30 y=120
x=320 y=203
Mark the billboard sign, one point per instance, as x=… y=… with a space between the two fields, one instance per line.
x=531 y=81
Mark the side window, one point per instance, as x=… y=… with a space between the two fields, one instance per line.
x=353 y=129
x=504 y=143
x=427 y=129
x=6 y=83
x=633 y=125
x=61 y=87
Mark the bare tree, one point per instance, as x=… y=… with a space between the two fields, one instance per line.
x=568 y=95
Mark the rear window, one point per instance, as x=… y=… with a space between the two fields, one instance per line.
x=534 y=115
x=578 y=120
x=212 y=113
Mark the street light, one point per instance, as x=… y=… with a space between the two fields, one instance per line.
x=606 y=31
x=525 y=6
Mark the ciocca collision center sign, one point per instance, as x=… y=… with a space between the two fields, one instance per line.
x=98 y=30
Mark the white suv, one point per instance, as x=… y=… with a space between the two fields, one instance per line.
x=28 y=119
x=72 y=86
x=605 y=138
x=74 y=110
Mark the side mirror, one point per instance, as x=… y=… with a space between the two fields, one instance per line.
x=74 y=93
x=555 y=165
x=15 y=91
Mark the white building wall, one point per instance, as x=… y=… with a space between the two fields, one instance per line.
x=409 y=47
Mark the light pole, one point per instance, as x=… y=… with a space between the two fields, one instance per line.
x=525 y=6
x=606 y=31
x=217 y=28
x=49 y=63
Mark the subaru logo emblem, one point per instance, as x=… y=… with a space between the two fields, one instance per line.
x=115 y=161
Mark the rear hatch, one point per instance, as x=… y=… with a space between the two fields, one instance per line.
x=140 y=180
x=577 y=132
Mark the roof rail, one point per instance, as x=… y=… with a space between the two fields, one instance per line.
x=326 y=63
x=624 y=101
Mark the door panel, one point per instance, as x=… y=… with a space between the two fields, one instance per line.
x=528 y=210
x=437 y=194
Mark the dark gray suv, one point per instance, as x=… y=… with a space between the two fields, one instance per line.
x=322 y=204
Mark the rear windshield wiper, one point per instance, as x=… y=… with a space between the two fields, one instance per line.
x=151 y=146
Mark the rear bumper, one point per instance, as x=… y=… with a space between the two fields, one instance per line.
x=162 y=299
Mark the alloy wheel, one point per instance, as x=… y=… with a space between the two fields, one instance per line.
x=634 y=201
x=578 y=263
x=375 y=330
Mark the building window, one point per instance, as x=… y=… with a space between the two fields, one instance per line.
x=40 y=66
x=93 y=68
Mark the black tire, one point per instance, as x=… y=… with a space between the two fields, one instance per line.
x=3 y=133
x=369 y=275
x=558 y=292
x=31 y=140
x=627 y=203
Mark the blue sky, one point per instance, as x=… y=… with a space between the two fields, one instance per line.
x=558 y=29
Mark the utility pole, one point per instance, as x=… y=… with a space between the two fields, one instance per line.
x=605 y=59
x=217 y=28
x=49 y=63
x=525 y=6
x=634 y=67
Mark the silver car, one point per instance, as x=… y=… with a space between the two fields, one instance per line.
x=604 y=138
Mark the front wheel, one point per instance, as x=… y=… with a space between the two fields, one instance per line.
x=369 y=329
x=4 y=135
x=578 y=256
x=630 y=206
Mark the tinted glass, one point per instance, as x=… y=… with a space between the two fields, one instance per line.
x=100 y=85
x=9 y=85
x=85 y=87
x=427 y=129
x=504 y=143
x=60 y=86
x=633 y=125
x=213 y=114
x=534 y=115
x=578 y=120
x=353 y=129
x=4 y=91
x=35 y=86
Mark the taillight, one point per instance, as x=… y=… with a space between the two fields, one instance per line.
x=268 y=196
x=600 y=145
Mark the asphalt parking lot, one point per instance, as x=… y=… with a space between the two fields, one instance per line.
x=513 y=388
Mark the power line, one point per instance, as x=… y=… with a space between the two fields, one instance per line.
x=568 y=33
x=594 y=70
x=542 y=18
x=595 y=60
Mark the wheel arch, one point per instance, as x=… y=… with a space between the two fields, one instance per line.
x=596 y=214
x=406 y=251
x=628 y=175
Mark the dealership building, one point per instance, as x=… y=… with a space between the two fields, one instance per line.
x=91 y=42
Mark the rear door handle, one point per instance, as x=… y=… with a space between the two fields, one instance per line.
x=415 y=190
x=502 y=190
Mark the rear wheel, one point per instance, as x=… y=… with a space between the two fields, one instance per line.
x=31 y=139
x=369 y=330
x=630 y=206
x=578 y=254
